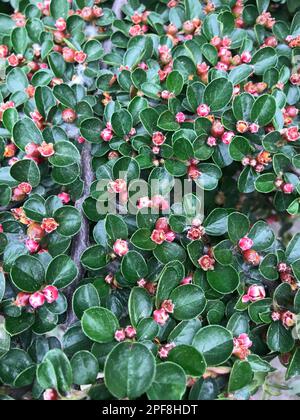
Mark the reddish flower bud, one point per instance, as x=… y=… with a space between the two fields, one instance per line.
x=37 y=300
x=242 y=127
x=80 y=57
x=246 y=57
x=46 y=149
x=69 y=115
x=161 y=316
x=130 y=332
x=121 y=248
x=158 y=138
x=51 y=294
x=203 y=110
x=164 y=351
x=50 y=395
x=242 y=344
x=246 y=243
x=22 y=300
x=35 y=232
x=32 y=246
x=120 y=335
x=61 y=24
x=207 y=263
x=158 y=236
x=288 y=188
x=251 y=257
x=64 y=197
x=289 y=319
x=255 y=293
x=168 y=306
x=68 y=55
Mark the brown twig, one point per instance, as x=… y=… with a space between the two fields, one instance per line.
x=82 y=240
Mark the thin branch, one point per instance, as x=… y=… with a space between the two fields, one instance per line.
x=82 y=240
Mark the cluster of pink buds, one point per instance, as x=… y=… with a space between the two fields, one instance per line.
x=38 y=119
x=255 y=89
x=166 y=59
x=21 y=191
x=197 y=231
x=290 y=113
x=137 y=30
x=149 y=286
x=266 y=20
x=259 y=162
x=156 y=202
x=286 y=188
x=291 y=134
x=162 y=232
x=164 y=351
x=286 y=275
x=162 y=315
x=90 y=13
x=244 y=127
x=121 y=247
x=72 y=56
x=48 y=295
x=255 y=293
x=207 y=262
x=288 y=319
x=242 y=344
x=122 y=334
x=237 y=11
x=5 y=106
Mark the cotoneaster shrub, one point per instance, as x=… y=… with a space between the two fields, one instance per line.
x=158 y=304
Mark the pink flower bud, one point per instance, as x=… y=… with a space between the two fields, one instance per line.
x=255 y=293
x=187 y=280
x=228 y=137
x=51 y=294
x=194 y=172
x=242 y=127
x=106 y=134
x=246 y=57
x=50 y=395
x=64 y=197
x=22 y=300
x=160 y=316
x=46 y=149
x=158 y=236
x=180 y=117
x=121 y=248
x=158 y=138
x=120 y=335
x=32 y=246
x=276 y=316
x=254 y=128
x=80 y=57
x=61 y=24
x=195 y=233
x=203 y=110
x=246 y=243
x=49 y=225
x=168 y=306
x=164 y=351
x=207 y=263
x=37 y=300
x=130 y=331
x=69 y=115
x=118 y=186
x=288 y=188
x=289 y=319
x=242 y=344
x=212 y=141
